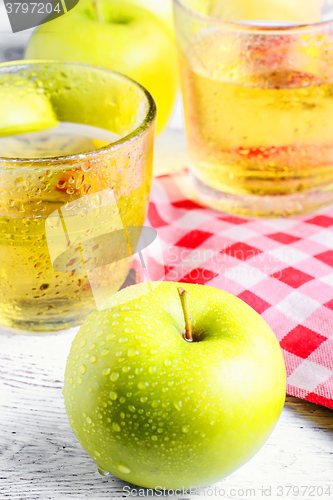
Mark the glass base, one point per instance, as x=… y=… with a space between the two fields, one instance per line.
x=264 y=206
x=35 y=327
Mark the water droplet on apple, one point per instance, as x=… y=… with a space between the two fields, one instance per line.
x=110 y=336
x=83 y=343
x=114 y=376
x=79 y=381
x=132 y=352
x=123 y=468
x=131 y=408
x=89 y=421
x=128 y=330
x=143 y=399
x=152 y=369
x=102 y=471
x=106 y=371
x=123 y=340
x=142 y=385
x=177 y=405
x=185 y=429
x=116 y=427
x=92 y=346
x=93 y=359
x=105 y=352
x=83 y=369
x=156 y=403
x=97 y=453
x=113 y=395
x=126 y=369
x=91 y=389
x=122 y=400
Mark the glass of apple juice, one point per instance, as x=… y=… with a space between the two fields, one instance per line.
x=71 y=136
x=257 y=81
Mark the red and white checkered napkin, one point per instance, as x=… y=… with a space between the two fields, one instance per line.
x=283 y=268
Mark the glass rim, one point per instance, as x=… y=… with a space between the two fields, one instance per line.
x=86 y=155
x=269 y=30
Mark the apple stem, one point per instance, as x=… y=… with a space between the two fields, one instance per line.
x=98 y=12
x=188 y=329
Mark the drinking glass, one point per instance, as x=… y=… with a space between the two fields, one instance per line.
x=257 y=82
x=40 y=290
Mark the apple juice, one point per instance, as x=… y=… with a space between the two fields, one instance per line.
x=33 y=295
x=256 y=126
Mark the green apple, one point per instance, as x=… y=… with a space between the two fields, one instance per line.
x=118 y=36
x=157 y=410
x=160 y=8
x=24 y=109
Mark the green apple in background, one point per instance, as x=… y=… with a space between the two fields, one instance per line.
x=160 y=8
x=24 y=108
x=118 y=36
x=157 y=410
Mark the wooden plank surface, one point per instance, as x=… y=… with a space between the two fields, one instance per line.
x=40 y=457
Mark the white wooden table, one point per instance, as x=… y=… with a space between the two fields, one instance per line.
x=40 y=457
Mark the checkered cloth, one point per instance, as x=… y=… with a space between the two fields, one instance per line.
x=283 y=268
